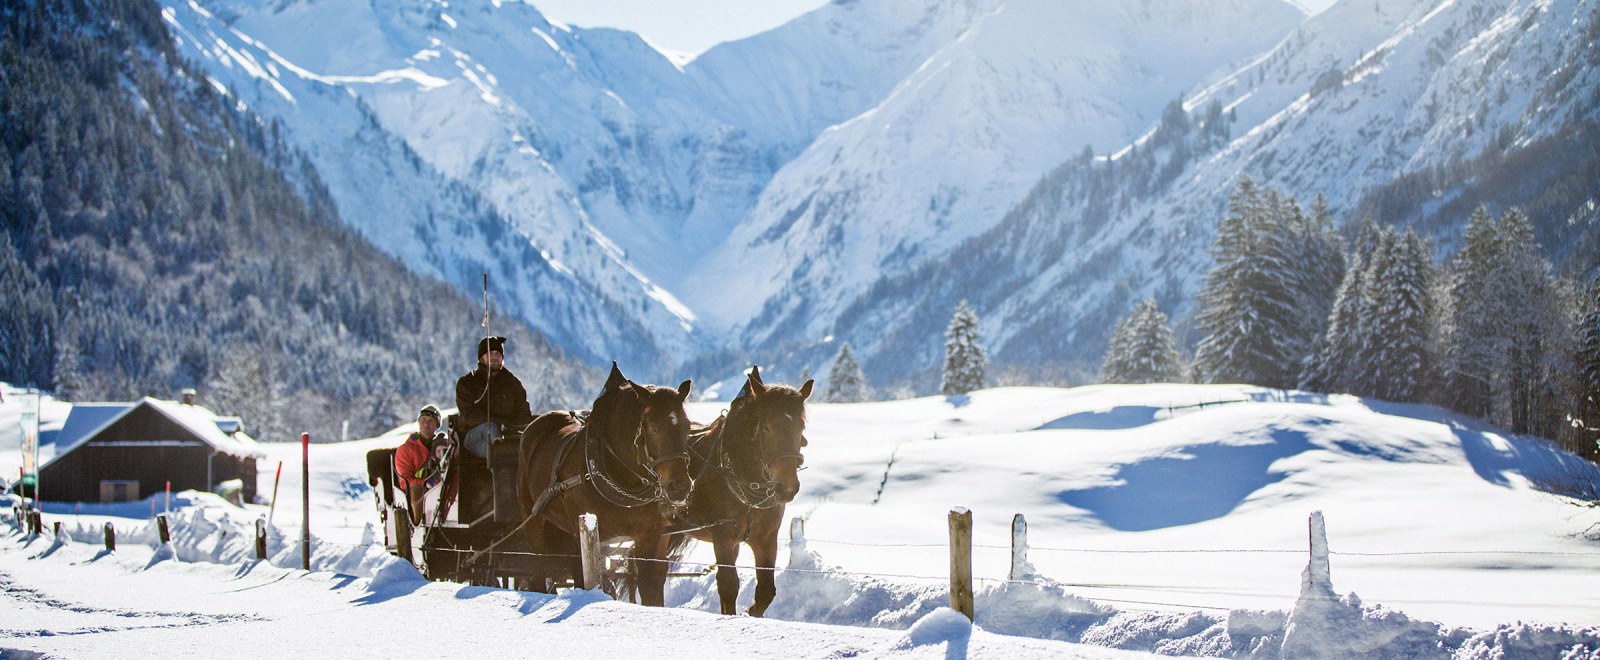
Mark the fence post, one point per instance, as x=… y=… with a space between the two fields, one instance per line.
x=1020 y=568
x=589 y=547
x=305 y=501
x=162 y=530
x=55 y=529
x=261 y=538
x=111 y=538
x=1318 y=576
x=961 y=561
x=35 y=523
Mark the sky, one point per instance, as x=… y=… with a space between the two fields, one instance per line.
x=683 y=26
x=692 y=26
x=1154 y=523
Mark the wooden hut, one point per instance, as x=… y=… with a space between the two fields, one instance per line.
x=118 y=452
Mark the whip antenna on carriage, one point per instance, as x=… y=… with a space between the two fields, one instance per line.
x=488 y=374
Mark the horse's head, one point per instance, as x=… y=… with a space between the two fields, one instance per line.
x=776 y=417
x=649 y=421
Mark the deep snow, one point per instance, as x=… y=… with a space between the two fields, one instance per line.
x=1156 y=524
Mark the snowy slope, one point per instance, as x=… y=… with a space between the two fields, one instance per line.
x=432 y=161
x=1359 y=95
x=955 y=145
x=854 y=173
x=1155 y=523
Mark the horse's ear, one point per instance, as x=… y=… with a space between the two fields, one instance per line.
x=616 y=379
x=754 y=385
x=683 y=390
x=805 y=390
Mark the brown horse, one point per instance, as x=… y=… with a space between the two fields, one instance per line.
x=627 y=463
x=747 y=465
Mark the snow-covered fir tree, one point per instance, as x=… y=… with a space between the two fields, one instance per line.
x=965 y=360
x=1251 y=300
x=846 y=382
x=1319 y=252
x=1506 y=334
x=1142 y=349
x=1586 y=421
x=1334 y=364
x=1397 y=360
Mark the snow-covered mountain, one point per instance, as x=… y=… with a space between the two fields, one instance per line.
x=1359 y=96
x=854 y=173
x=1027 y=85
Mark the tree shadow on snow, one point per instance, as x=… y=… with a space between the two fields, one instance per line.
x=1544 y=465
x=1206 y=483
x=1116 y=419
x=1494 y=453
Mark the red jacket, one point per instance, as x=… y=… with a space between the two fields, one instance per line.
x=410 y=459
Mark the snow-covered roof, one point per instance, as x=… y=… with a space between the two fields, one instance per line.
x=88 y=419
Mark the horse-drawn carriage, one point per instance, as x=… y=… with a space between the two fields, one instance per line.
x=635 y=462
x=467 y=529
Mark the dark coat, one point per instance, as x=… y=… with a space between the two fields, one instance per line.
x=500 y=399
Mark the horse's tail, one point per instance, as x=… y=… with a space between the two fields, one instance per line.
x=628 y=581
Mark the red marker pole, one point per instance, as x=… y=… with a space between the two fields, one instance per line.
x=169 y=497
x=305 y=501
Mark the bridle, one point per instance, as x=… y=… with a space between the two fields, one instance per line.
x=756 y=494
x=650 y=489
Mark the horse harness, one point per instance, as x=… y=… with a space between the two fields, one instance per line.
x=752 y=494
x=595 y=463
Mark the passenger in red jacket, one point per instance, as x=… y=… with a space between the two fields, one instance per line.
x=416 y=464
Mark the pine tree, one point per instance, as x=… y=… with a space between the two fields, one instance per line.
x=1250 y=301
x=965 y=360
x=1333 y=365
x=1321 y=260
x=1396 y=340
x=846 y=382
x=1507 y=333
x=1586 y=422
x=1142 y=349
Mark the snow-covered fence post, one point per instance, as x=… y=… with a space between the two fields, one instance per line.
x=162 y=530
x=594 y=569
x=55 y=529
x=111 y=538
x=1318 y=577
x=1020 y=568
x=961 y=561
x=261 y=538
x=305 y=501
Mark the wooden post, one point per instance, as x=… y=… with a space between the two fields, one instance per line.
x=261 y=538
x=111 y=538
x=36 y=523
x=961 y=561
x=594 y=567
x=55 y=529
x=162 y=530
x=305 y=501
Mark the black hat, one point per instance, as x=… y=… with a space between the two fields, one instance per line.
x=491 y=344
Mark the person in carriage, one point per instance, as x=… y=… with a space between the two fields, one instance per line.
x=491 y=400
x=493 y=406
x=417 y=461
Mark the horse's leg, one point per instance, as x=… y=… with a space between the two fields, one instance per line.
x=725 y=544
x=652 y=572
x=763 y=541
